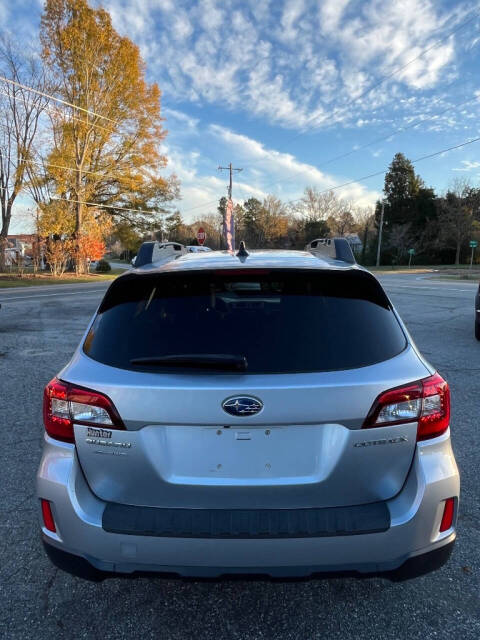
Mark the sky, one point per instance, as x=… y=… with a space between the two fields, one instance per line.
x=300 y=92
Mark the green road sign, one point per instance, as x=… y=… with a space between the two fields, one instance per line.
x=411 y=252
x=473 y=243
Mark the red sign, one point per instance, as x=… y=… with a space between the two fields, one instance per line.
x=201 y=236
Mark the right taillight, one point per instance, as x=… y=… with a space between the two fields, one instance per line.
x=65 y=404
x=425 y=401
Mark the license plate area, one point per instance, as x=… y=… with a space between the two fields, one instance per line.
x=256 y=455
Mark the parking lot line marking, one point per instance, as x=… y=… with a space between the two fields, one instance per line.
x=48 y=295
x=411 y=286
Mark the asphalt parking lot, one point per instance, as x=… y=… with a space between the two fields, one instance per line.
x=39 y=329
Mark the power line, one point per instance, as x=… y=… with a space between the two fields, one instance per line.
x=344 y=155
x=384 y=171
x=58 y=166
x=473 y=15
x=97 y=205
x=53 y=109
x=104 y=206
x=412 y=125
x=335 y=188
x=420 y=120
x=395 y=71
x=50 y=97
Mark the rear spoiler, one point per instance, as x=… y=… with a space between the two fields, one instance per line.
x=155 y=252
x=336 y=248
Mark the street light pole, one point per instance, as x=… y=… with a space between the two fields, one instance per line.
x=380 y=235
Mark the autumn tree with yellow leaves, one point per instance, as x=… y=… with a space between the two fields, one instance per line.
x=108 y=150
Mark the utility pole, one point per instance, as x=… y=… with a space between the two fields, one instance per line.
x=228 y=217
x=380 y=235
x=230 y=169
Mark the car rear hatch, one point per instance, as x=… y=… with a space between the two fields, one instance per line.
x=245 y=390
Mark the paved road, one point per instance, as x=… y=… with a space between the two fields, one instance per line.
x=38 y=331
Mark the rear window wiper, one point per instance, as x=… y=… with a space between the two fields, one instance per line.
x=196 y=360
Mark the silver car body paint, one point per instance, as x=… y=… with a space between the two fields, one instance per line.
x=304 y=448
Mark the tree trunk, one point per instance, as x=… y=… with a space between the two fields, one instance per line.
x=78 y=226
x=364 y=244
x=457 y=253
x=79 y=266
x=3 y=257
x=6 y=218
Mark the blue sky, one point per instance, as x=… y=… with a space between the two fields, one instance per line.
x=281 y=88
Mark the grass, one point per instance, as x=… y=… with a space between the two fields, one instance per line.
x=8 y=280
x=452 y=268
x=122 y=260
x=436 y=271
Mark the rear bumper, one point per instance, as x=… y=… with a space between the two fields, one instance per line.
x=411 y=568
x=415 y=516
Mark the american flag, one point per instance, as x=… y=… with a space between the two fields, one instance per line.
x=229 y=226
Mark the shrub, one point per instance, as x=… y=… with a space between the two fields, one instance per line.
x=103 y=266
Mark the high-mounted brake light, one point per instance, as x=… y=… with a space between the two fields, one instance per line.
x=425 y=401
x=65 y=404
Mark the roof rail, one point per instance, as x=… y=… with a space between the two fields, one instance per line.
x=154 y=252
x=336 y=248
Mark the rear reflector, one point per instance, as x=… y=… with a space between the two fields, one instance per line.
x=425 y=401
x=65 y=404
x=448 y=511
x=47 y=514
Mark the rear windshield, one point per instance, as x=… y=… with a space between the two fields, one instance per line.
x=274 y=321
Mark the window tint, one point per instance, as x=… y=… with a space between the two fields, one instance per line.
x=280 y=321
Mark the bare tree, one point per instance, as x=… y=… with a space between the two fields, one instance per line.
x=315 y=206
x=456 y=214
x=399 y=241
x=20 y=114
x=343 y=222
x=365 y=223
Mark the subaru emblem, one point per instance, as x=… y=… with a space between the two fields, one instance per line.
x=242 y=406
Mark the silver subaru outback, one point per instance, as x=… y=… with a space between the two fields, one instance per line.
x=264 y=412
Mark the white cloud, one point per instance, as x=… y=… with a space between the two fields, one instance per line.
x=265 y=171
x=183 y=122
x=468 y=165
x=331 y=12
x=290 y=175
x=292 y=11
x=295 y=63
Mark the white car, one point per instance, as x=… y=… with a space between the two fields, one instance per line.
x=192 y=248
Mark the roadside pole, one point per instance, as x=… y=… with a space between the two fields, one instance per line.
x=380 y=235
x=228 y=217
x=473 y=245
x=411 y=252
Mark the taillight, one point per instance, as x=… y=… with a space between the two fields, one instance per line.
x=426 y=401
x=65 y=404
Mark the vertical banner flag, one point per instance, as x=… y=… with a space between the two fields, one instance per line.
x=229 y=226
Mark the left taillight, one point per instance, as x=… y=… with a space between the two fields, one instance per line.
x=65 y=404
x=425 y=401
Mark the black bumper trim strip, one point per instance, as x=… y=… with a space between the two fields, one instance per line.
x=246 y=523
